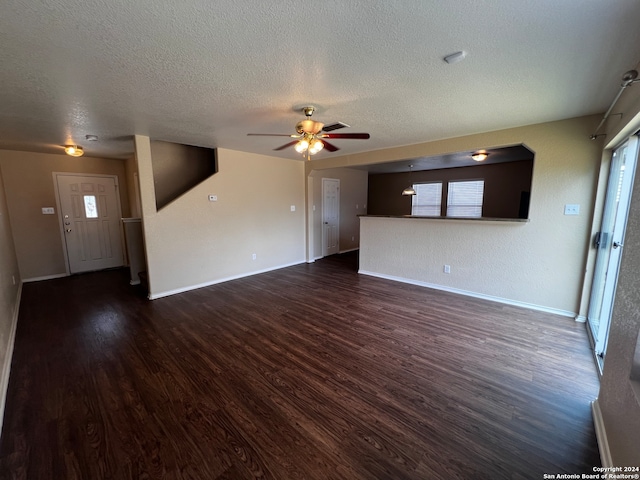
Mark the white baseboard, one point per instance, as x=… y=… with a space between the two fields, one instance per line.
x=46 y=277
x=6 y=368
x=349 y=250
x=581 y=319
x=601 y=435
x=507 y=301
x=134 y=282
x=154 y=296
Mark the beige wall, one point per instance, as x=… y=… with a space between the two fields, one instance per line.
x=178 y=168
x=9 y=296
x=131 y=172
x=193 y=242
x=541 y=263
x=29 y=186
x=353 y=202
x=617 y=402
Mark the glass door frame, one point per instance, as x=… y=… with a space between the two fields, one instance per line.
x=609 y=241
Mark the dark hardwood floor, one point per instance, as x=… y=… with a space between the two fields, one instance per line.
x=309 y=372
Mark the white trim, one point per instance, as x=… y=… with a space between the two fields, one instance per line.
x=348 y=250
x=46 y=277
x=581 y=319
x=601 y=435
x=515 y=303
x=6 y=368
x=155 y=296
x=134 y=282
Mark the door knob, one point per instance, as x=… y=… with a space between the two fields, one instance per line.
x=617 y=244
x=68 y=230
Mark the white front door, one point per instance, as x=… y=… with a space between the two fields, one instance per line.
x=90 y=215
x=330 y=216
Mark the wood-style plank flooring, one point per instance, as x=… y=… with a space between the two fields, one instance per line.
x=308 y=372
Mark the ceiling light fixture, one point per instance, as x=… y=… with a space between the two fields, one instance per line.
x=480 y=156
x=455 y=57
x=302 y=146
x=409 y=190
x=309 y=144
x=91 y=138
x=73 y=150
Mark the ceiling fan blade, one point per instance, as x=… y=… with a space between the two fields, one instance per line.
x=273 y=135
x=360 y=136
x=286 y=145
x=334 y=126
x=329 y=146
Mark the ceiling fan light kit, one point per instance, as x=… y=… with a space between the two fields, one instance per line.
x=312 y=134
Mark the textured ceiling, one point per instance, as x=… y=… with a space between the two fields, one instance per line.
x=207 y=73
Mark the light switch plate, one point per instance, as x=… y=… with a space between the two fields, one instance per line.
x=213 y=198
x=572 y=209
x=293 y=208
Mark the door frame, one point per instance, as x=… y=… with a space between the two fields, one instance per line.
x=61 y=220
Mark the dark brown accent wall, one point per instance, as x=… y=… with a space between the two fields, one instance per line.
x=503 y=187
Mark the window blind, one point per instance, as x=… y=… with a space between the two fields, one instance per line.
x=464 y=199
x=427 y=200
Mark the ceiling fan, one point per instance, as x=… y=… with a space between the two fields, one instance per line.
x=311 y=135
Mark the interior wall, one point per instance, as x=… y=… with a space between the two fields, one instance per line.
x=353 y=202
x=541 y=262
x=503 y=184
x=133 y=192
x=178 y=168
x=9 y=296
x=29 y=186
x=193 y=242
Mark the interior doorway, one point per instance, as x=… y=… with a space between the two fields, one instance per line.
x=609 y=242
x=90 y=214
x=330 y=216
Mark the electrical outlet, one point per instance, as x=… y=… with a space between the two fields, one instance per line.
x=447 y=269
x=293 y=208
x=572 y=209
x=254 y=256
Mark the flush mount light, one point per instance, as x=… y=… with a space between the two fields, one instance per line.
x=480 y=156
x=455 y=57
x=73 y=150
x=91 y=138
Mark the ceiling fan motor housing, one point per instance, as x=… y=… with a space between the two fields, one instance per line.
x=309 y=126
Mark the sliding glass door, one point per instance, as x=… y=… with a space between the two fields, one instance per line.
x=610 y=241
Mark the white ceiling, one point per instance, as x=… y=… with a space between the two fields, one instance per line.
x=207 y=73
